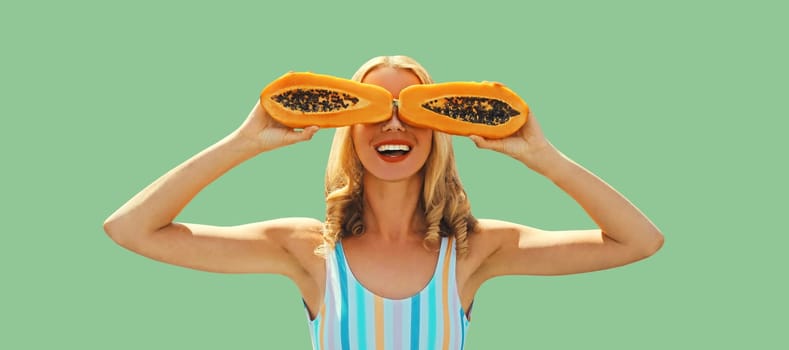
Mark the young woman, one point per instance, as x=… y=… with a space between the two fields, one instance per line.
x=390 y=216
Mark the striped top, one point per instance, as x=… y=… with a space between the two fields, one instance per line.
x=352 y=317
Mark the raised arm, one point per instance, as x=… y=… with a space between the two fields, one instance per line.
x=625 y=234
x=145 y=223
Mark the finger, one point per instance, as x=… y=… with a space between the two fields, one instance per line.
x=477 y=140
x=310 y=131
x=303 y=135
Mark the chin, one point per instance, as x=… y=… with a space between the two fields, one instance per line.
x=394 y=176
x=393 y=172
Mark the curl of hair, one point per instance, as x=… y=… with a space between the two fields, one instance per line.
x=444 y=202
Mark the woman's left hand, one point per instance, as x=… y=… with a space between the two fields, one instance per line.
x=527 y=145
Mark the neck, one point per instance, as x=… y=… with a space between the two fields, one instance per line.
x=391 y=209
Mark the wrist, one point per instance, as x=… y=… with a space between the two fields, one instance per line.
x=548 y=161
x=243 y=144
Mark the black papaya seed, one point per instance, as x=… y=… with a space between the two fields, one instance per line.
x=478 y=110
x=315 y=100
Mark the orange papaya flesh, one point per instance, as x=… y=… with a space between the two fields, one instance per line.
x=300 y=99
x=487 y=109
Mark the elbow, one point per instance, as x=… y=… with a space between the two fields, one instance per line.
x=653 y=244
x=647 y=244
x=118 y=232
x=112 y=230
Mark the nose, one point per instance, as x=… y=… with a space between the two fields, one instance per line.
x=394 y=123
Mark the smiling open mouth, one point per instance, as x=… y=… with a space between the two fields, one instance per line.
x=393 y=150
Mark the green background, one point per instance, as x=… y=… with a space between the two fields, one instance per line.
x=680 y=105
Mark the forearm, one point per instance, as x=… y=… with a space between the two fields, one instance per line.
x=160 y=202
x=616 y=216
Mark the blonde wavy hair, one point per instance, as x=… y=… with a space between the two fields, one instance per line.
x=443 y=201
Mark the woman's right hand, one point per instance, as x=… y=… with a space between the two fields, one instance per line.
x=266 y=134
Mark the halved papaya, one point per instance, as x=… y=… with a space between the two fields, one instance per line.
x=487 y=109
x=300 y=99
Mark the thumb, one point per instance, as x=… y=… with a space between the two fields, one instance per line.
x=480 y=141
x=303 y=135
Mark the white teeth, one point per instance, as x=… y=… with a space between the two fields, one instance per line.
x=403 y=148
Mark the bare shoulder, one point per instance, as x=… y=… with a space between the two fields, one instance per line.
x=483 y=260
x=302 y=237
x=486 y=240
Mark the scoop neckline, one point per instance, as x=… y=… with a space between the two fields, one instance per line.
x=424 y=289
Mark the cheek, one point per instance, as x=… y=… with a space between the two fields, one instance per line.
x=361 y=136
x=358 y=134
x=425 y=137
x=425 y=140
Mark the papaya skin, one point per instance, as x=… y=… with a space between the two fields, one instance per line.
x=414 y=101
x=358 y=102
